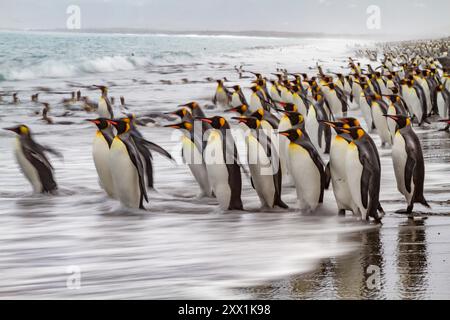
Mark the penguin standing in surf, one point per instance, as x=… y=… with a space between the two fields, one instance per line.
x=408 y=162
x=100 y=153
x=338 y=170
x=264 y=164
x=363 y=173
x=307 y=170
x=192 y=153
x=105 y=109
x=144 y=147
x=127 y=169
x=222 y=97
x=32 y=160
x=222 y=165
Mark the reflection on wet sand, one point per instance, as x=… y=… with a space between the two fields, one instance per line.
x=412 y=261
x=392 y=263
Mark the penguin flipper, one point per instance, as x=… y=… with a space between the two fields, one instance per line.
x=409 y=171
x=137 y=162
x=43 y=167
x=153 y=146
x=253 y=184
x=327 y=176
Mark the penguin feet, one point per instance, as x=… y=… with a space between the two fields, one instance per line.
x=341 y=213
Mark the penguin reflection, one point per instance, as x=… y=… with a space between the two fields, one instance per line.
x=411 y=259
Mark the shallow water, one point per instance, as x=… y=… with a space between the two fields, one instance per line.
x=182 y=246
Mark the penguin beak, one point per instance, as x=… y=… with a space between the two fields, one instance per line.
x=284 y=133
x=95 y=121
x=391 y=116
x=328 y=123
x=206 y=120
x=14 y=129
x=240 y=119
x=112 y=122
x=231 y=110
x=174 y=126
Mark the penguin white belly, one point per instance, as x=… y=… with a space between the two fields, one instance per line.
x=381 y=124
x=274 y=93
x=392 y=125
x=193 y=158
x=366 y=113
x=217 y=170
x=235 y=100
x=27 y=168
x=221 y=97
x=312 y=127
x=413 y=102
x=261 y=171
x=335 y=103
x=306 y=177
x=442 y=107
x=103 y=109
x=284 y=125
x=399 y=158
x=356 y=91
x=286 y=96
x=255 y=103
x=341 y=190
x=125 y=175
x=426 y=90
x=354 y=170
x=100 y=153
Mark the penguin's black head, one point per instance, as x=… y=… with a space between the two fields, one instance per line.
x=349 y=122
x=103 y=89
x=294 y=117
x=240 y=109
x=183 y=125
x=121 y=125
x=402 y=121
x=292 y=134
x=251 y=122
x=236 y=88
x=258 y=114
x=22 y=130
x=101 y=123
x=180 y=113
x=254 y=88
x=355 y=132
x=217 y=122
x=191 y=105
x=289 y=107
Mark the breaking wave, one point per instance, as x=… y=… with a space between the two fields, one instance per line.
x=62 y=69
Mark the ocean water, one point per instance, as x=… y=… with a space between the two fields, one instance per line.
x=181 y=246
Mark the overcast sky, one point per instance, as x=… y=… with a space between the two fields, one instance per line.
x=412 y=17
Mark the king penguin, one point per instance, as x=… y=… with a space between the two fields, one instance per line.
x=264 y=164
x=222 y=165
x=127 y=169
x=222 y=97
x=192 y=154
x=408 y=162
x=105 y=109
x=363 y=173
x=33 y=162
x=338 y=170
x=100 y=153
x=307 y=170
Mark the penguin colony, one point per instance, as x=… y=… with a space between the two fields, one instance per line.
x=292 y=122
